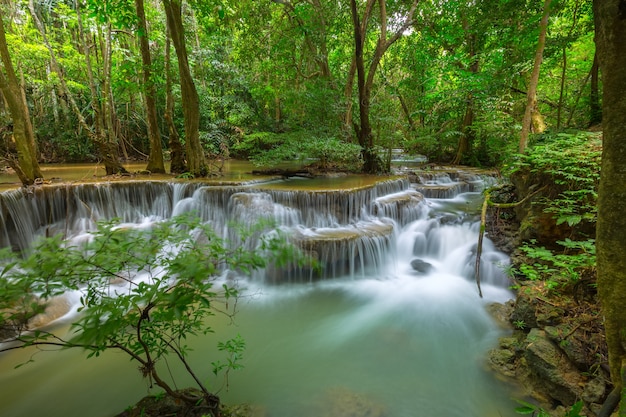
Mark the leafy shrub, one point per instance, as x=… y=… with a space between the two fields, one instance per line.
x=271 y=149
x=570 y=265
x=144 y=292
x=254 y=144
x=571 y=161
x=569 y=164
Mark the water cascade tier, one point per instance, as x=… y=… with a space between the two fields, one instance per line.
x=390 y=325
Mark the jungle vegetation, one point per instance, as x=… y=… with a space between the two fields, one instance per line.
x=461 y=82
x=187 y=81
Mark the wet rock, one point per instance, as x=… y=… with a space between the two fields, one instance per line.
x=501 y=313
x=442 y=190
x=549 y=317
x=503 y=361
x=450 y=219
x=163 y=405
x=337 y=251
x=55 y=308
x=571 y=343
x=553 y=373
x=523 y=315
x=400 y=206
x=421 y=266
x=594 y=391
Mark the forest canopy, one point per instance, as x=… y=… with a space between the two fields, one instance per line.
x=187 y=81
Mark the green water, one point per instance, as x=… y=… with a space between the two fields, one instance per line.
x=406 y=346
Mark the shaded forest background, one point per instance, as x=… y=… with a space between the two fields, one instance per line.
x=115 y=80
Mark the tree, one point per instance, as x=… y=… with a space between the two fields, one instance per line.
x=177 y=154
x=196 y=162
x=144 y=293
x=531 y=100
x=155 y=159
x=101 y=133
x=610 y=19
x=365 y=77
x=23 y=137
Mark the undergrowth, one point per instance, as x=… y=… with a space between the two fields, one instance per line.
x=569 y=162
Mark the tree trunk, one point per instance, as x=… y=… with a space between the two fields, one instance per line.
x=610 y=19
x=406 y=111
x=177 y=154
x=108 y=102
x=155 y=159
x=196 y=162
x=97 y=135
x=347 y=118
x=365 y=79
x=564 y=67
x=467 y=130
x=561 y=89
x=531 y=99
x=595 y=109
x=23 y=136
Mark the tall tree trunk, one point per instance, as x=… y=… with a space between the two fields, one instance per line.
x=177 y=154
x=531 y=98
x=155 y=159
x=564 y=67
x=108 y=102
x=347 y=117
x=610 y=19
x=562 y=89
x=595 y=109
x=107 y=151
x=23 y=135
x=406 y=111
x=467 y=130
x=196 y=162
x=365 y=79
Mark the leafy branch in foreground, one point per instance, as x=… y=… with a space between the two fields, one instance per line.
x=143 y=291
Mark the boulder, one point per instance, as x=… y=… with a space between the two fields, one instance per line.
x=553 y=373
x=421 y=266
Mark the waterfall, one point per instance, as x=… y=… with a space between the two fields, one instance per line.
x=391 y=324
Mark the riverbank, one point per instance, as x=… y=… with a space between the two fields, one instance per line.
x=557 y=349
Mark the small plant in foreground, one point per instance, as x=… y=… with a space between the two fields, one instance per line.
x=536 y=411
x=519 y=324
x=144 y=292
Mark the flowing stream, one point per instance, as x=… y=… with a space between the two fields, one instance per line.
x=392 y=326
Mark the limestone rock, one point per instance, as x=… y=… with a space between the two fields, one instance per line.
x=554 y=373
x=571 y=343
x=501 y=313
x=524 y=311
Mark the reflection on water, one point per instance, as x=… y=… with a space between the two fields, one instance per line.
x=233 y=170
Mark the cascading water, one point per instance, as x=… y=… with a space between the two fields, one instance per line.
x=396 y=328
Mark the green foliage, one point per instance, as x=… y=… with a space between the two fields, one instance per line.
x=271 y=149
x=559 y=268
x=571 y=161
x=527 y=408
x=144 y=291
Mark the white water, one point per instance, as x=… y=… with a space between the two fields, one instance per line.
x=383 y=339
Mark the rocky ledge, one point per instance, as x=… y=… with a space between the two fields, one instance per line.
x=556 y=351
